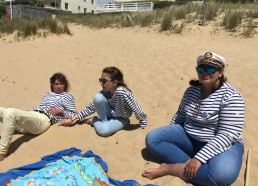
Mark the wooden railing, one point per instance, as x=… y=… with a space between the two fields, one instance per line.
x=123 y=7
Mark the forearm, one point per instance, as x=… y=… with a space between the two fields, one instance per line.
x=88 y=110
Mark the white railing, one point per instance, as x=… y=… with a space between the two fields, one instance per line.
x=122 y=7
x=199 y=2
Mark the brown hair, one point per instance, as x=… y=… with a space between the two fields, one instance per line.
x=116 y=74
x=60 y=77
x=196 y=82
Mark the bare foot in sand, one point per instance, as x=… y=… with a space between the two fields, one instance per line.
x=165 y=169
x=89 y=120
x=2 y=157
x=156 y=172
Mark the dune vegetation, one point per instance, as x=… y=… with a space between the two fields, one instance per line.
x=174 y=18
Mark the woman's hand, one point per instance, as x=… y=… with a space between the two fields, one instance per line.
x=191 y=168
x=65 y=122
x=56 y=111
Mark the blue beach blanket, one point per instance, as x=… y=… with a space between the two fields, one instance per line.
x=67 y=168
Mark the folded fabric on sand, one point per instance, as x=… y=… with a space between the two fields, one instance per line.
x=66 y=167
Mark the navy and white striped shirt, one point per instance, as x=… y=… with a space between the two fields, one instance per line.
x=123 y=104
x=217 y=119
x=64 y=101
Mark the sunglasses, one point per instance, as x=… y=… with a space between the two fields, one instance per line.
x=103 y=81
x=208 y=69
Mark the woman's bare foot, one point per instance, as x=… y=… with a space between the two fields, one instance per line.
x=155 y=172
x=2 y=157
x=89 y=120
x=165 y=169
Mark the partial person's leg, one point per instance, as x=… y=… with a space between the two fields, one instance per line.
x=222 y=169
x=21 y=130
x=2 y=111
x=171 y=145
x=32 y=122
x=176 y=169
x=107 y=128
x=102 y=107
x=18 y=128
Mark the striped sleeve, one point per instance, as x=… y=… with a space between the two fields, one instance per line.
x=231 y=123
x=180 y=116
x=134 y=105
x=88 y=110
x=64 y=101
x=69 y=104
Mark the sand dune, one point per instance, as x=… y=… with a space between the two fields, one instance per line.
x=157 y=68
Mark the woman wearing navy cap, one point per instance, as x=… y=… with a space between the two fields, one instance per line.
x=203 y=144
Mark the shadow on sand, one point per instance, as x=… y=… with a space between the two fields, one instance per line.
x=148 y=156
x=131 y=127
x=19 y=141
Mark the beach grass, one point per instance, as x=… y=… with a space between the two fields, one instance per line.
x=25 y=27
x=231 y=17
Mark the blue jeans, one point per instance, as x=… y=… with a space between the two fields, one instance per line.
x=106 y=124
x=171 y=144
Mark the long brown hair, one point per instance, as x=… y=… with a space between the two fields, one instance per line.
x=116 y=74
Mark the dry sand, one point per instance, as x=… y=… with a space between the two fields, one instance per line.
x=157 y=68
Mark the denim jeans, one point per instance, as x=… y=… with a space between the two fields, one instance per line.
x=106 y=124
x=171 y=144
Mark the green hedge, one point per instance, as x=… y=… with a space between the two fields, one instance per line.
x=2 y=9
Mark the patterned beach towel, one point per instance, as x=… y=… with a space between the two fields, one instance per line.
x=67 y=168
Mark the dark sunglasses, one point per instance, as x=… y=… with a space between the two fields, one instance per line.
x=103 y=81
x=208 y=69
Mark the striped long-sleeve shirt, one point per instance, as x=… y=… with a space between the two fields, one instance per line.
x=123 y=104
x=217 y=119
x=64 y=101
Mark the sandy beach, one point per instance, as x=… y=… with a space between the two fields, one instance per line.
x=157 y=68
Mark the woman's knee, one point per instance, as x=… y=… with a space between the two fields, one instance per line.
x=224 y=168
x=103 y=131
x=10 y=113
x=162 y=134
x=150 y=138
x=155 y=136
x=225 y=176
x=99 y=98
x=224 y=173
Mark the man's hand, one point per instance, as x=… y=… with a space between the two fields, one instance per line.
x=191 y=168
x=65 y=122
x=56 y=111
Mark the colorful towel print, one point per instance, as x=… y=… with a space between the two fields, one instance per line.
x=67 y=168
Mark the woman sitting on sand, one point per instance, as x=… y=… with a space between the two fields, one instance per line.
x=204 y=143
x=55 y=105
x=114 y=105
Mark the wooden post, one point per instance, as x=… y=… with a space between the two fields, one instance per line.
x=247 y=167
x=205 y=12
x=129 y=19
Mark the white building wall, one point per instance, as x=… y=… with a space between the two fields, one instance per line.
x=78 y=6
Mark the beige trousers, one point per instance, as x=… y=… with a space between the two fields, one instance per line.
x=23 y=121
